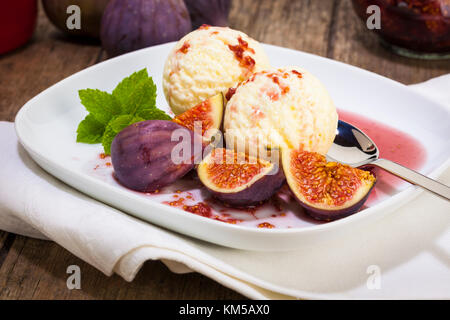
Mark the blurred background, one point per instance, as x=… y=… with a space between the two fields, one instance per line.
x=36 y=51
x=328 y=28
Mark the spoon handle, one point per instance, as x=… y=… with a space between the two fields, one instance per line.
x=414 y=177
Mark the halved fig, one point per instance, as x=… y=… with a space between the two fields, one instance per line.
x=239 y=180
x=327 y=190
x=147 y=156
x=208 y=113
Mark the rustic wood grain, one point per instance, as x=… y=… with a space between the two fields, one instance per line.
x=301 y=25
x=48 y=58
x=36 y=269
x=6 y=241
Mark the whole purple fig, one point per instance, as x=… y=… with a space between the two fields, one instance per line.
x=91 y=15
x=129 y=25
x=149 y=155
x=212 y=12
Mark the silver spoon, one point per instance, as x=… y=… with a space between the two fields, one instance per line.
x=353 y=147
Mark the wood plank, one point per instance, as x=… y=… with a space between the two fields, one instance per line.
x=6 y=242
x=11 y=286
x=48 y=58
x=301 y=25
x=3 y=236
x=36 y=269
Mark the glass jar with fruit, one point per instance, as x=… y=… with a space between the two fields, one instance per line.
x=413 y=28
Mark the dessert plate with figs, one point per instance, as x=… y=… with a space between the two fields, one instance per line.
x=281 y=201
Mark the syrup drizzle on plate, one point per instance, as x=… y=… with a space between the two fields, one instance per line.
x=282 y=211
x=393 y=145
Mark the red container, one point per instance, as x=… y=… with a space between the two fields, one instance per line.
x=17 y=23
x=417 y=28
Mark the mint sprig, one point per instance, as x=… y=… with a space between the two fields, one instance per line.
x=133 y=100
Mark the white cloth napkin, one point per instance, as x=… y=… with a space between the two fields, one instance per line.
x=408 y=249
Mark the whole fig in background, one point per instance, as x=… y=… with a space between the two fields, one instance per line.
x=129 y=25
x=145 y=158
x=212 y=12
x=91 y=15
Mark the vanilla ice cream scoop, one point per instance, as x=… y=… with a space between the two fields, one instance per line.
x=281 y=108
x=207 y=61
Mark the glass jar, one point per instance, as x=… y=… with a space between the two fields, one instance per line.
x=17 y=23
x=413 y=28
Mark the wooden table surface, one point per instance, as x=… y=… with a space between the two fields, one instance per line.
x=35 y=269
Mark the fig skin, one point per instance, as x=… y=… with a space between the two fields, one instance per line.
x=211 y=12
x=128 y=25
x=91 y=15
x=256 y=191
x=141 y=155
x=256 y=194
x=334 y=214
x=323 y=210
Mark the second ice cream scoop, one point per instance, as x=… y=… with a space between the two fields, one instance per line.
x=281 y=108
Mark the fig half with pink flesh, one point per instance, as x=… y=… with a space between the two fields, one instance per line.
x=207 y=115
x=239 y=180
x=327 y=190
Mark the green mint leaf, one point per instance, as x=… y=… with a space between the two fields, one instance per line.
x=133 y=100
x=143 y=97
x=127 y=86
x=153 y=114
x=117 y=124
x=102 y=105
x=90 y=130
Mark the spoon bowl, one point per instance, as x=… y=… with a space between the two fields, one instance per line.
x=353 y=147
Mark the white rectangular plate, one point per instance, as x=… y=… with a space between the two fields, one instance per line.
x=46 y=127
